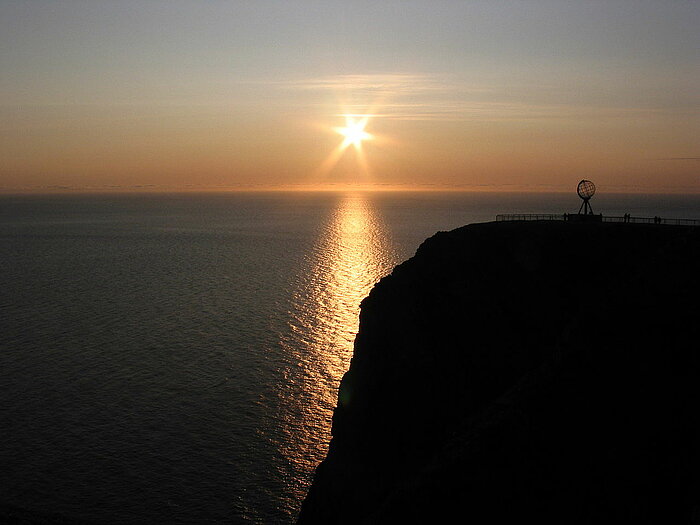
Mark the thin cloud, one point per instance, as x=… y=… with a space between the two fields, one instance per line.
x=373 y=83
x=424 y=97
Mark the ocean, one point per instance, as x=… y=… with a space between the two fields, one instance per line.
x=175 y=358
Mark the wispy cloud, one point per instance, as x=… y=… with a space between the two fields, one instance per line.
x=373 y=84
x=433 y=97
x=400 y=96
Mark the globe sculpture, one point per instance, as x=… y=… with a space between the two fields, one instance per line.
x=585 y=190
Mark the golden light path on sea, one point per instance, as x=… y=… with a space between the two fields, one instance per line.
x=352 y=252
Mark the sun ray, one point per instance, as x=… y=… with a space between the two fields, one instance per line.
x=332 y=159
x=362 y=161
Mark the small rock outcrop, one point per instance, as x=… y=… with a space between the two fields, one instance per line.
x=544 y=372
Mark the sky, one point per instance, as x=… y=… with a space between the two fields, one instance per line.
x=218 y=95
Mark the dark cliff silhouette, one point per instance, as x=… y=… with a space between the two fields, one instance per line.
x=517 y=372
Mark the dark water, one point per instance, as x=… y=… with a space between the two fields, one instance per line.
x=175 y=358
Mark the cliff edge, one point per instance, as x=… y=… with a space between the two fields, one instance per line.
x=515 y=372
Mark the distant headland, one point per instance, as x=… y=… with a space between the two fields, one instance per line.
x=522 y=371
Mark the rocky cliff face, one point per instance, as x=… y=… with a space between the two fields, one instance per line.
x=523 y=371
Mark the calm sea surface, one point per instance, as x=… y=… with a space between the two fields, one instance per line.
x=175 y=358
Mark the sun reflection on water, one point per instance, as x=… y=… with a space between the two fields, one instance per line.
x=351 y=254
x=351 y=257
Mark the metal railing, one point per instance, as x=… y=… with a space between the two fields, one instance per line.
x=654 y=220
x=565 y=216
x=530 y=217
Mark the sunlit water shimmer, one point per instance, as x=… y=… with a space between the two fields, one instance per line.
x=176 y=358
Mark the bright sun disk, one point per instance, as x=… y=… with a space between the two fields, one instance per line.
x=354 y=132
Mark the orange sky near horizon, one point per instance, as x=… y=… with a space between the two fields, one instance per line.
x=491 y=96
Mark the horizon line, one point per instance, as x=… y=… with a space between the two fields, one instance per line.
x=345 y=188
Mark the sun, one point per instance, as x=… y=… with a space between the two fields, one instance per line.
x=354 y=132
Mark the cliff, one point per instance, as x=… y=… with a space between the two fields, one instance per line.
x=515 y=372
